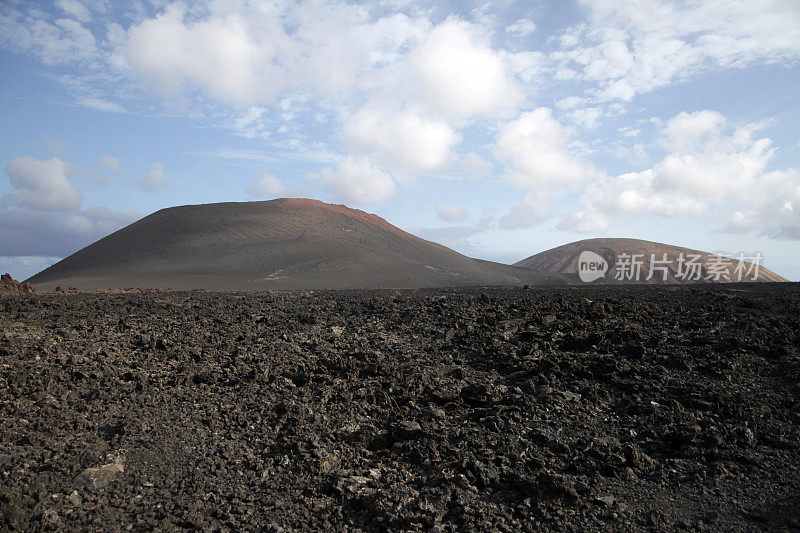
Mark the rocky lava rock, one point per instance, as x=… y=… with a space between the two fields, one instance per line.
x=633 y=408
x=9 y=285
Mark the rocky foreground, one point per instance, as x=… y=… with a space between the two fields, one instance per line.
x=9 y=285
x=583 y=408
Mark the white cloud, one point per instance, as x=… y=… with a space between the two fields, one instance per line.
x=222 y=54
x=773 y=209
x=529 y=66
x=341 y=47
x=247 y=123
x=155 y=179
x=586 y=117
x=535 y=148
x=268 y=186
x=571 y=102
x=686 y=131
x=57 y=42
x=403 y=139
x=252 y=53
x=710 y=168
x=589 y=220
x=112 y=164
x=531 y=212
x=473 y=164
x=100 y=104
x=43 y=184
x=451 y=213
x=45 y=218
x=707 y=164
x=75 y=9
x=357 y=180
x=630 y=48
x=521 y=28
x=635 y=153
x=460 y=75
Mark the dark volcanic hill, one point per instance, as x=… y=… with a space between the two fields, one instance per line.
x=278 y=244
x=564 y=260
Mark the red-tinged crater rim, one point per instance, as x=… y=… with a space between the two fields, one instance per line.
x=338 y=208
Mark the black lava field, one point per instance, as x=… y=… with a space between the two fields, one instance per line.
x=557 y=408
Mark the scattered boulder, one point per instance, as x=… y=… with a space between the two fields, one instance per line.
x=604 y=500
x=99 y=477
x=406 y=430
x=68 y=290
x=354 y=486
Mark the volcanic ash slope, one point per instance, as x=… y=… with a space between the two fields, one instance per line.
x=564 y=260
x=277 y=244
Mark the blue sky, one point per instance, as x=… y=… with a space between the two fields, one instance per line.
x=499 y=129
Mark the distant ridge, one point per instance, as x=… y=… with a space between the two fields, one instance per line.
x=564 y=260
x=277 y=244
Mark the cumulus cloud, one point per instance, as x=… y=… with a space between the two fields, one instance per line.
x=586 y=117
x=709 y=165
x=531 y=212
x=535 y=149
x=222 y=54
x=250 y=54
x=402 y=88
x=422 y=80
x=43 y=184
x=402 y=138
x=451 y=213
x=772 y=210
x=357 y=180
x=460 y=75
x=268 y=186
x=686 y=131
x=588 y=220
x=155 y=179
x=44 y=217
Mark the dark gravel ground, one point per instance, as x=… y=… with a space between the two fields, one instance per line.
x=584 y=408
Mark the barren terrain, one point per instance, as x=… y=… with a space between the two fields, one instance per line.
x=289 y=243
x=557 y=408
x=670 y=264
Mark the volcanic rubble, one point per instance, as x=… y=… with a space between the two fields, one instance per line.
x=9 y=285
x=582 y=408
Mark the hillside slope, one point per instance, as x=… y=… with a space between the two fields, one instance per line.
x=277 y=244
x=667 y=268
